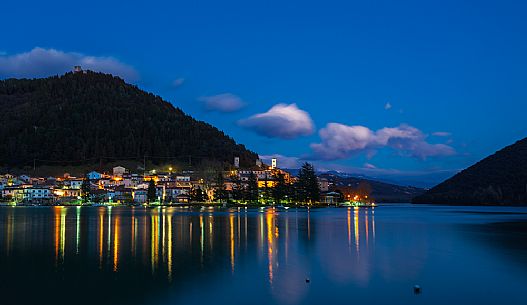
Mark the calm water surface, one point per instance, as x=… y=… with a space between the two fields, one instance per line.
x=89 y=255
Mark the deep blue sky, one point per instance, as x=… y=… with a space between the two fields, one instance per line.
x=443 y=66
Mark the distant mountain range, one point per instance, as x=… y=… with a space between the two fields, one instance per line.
x=87 y=116
x=381 y=191
x=500 y=179
x=418 y=180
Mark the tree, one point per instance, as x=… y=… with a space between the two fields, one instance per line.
x=85 y=116
x=281 y=188
x=197 y=195
x=237 y=188
x=308 y=184
x=151 y=193
x=252 y=188
x=85 y=189
x=220 y=193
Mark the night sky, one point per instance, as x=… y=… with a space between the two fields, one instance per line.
x=410 y=91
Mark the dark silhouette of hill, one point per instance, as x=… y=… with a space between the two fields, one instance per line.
x=84 y=117
x=379 y=191
x=500 y=179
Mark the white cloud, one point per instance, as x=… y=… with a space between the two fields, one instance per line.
x=387 y=106
x=441 y=134
x=340 y=141
x=178 y=82
x=369 y=166
x=225 y=102
x=281 y=121
x=41 y=62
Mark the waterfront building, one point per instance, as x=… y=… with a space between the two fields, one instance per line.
x=140 y=195
x=330 y=198
x=67 y=193
x=37 y=194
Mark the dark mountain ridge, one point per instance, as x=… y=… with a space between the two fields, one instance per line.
x=88 y=116
x=500 y=179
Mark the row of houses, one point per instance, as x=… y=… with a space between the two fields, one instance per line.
x=122 y=186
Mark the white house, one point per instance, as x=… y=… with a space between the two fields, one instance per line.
x=173 y=192
x=74 y=184
x=36 y=193
x=119 y=171
x=130 y=182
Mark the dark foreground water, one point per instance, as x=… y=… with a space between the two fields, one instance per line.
x=458 y=255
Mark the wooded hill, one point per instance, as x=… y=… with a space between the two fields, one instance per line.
x=500 y=179
x=83 y=117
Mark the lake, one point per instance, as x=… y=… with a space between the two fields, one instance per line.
x=123 y=255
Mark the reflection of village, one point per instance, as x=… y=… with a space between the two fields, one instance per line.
x=166 y=186
x=164 y=238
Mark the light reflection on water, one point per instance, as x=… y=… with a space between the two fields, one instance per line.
x=149 y=255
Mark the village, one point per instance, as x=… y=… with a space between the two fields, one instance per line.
x=261 y=184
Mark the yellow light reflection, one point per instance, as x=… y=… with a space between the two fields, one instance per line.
x=261 y=231
x=62 y=233
x=108 y=248
x=154 y=246
x=190 y=234
x=271 y=234
x=116 y=243
x=231 y=229
x=349 y=228
x=211 y=221
x=56 y=211
x=163 y=232
x=101 y=235
x=134 y=234
x=356 y=227
x=201 y=236
x=169 y=219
